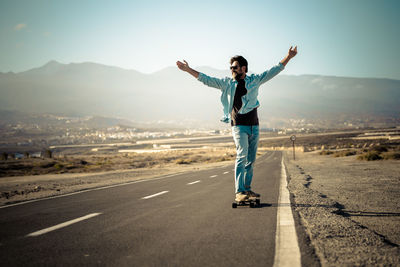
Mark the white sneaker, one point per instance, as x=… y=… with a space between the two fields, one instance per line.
x=241 y=196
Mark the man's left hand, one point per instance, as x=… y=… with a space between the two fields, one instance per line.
x=292 y=52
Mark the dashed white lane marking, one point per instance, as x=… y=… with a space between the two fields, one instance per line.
x=195 y=182
x=61 y=225
x=226 y=172
x=160 y=193
x=287 y=252
x=88 y=190
x=212 y=176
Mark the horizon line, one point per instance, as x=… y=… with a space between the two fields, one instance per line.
x=203 y=66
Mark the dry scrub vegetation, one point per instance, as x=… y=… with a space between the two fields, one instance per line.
x=342 y=145
x=112 y=161
x=373 y=153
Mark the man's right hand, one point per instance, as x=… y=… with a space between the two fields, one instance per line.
x=183 y=66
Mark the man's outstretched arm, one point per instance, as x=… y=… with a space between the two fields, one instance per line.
x=207 y=80
x=269 y=74
x=185 y=67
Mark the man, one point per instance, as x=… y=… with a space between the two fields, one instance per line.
x=239 y=100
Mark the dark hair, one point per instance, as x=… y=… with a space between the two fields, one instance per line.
x=241 y=60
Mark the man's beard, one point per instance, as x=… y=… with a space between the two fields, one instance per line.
x=236 y=76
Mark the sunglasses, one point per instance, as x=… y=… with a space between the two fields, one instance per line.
x=234 y=67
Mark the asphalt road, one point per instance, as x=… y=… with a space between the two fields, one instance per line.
x=191 y=223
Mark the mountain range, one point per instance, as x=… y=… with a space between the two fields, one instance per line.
x=82 y=89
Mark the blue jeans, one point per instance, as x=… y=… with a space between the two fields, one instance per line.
x=246 y=141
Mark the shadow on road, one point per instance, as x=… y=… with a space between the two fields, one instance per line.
x=264 y=205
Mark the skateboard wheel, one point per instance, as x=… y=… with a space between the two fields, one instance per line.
x=258 y=202
x=234 y=205
x=252 y=205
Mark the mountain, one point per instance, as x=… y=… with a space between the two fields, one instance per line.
x=43 y=121
x=81 y=89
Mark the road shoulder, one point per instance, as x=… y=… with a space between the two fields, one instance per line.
x=336 y=239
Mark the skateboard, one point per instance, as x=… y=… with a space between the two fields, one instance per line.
x=252 y=202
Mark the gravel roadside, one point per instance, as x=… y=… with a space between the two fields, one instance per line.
x=350 y=209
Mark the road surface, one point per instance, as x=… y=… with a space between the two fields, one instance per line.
x=180 y=220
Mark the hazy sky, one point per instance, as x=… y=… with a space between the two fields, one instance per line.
x=357 y=38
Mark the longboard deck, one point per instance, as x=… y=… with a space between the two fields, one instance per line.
x=251 y=202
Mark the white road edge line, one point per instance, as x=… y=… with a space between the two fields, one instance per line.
x=212 y=176
x=287 y=251
x=160 y=193
x=226 y=172
x=195 y=182
x=61 y=225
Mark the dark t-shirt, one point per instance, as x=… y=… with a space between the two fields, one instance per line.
x=250 y=118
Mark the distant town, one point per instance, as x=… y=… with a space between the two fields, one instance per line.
x=33 y=136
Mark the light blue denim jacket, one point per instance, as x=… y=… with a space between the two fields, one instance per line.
x=228 y=88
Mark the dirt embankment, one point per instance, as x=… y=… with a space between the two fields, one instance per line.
x=349 y=208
